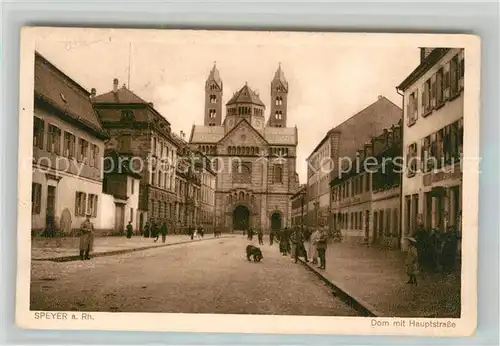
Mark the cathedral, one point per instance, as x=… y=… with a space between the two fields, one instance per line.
x=255 y=159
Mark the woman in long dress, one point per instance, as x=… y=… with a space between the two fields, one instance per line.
x=312 y=246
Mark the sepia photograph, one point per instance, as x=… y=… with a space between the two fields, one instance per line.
x=191 y=180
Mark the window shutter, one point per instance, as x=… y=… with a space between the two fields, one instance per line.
x=423 y=102
x=461 y=73
x=77 y=208
x=433 y=92
x=415 y=106
x=408 y=113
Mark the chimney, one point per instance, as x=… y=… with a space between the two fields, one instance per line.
x=115 y=85
x=92 y=93
x=380 y=97
x=424 y=53
x=151 y=104
x=183 y=135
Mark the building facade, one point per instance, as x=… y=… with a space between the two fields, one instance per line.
x=68 y=147
x=196 y=188
x=299 y=206
x=433 y=140
x=120 y=194
x=254 y=159
x=138 y=131
x=365 y=203
x=334 y=151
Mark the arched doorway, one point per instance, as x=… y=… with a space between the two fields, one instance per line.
x=241 y=218
x=276 y=221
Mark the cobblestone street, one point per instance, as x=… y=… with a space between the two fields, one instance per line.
x=200 y=277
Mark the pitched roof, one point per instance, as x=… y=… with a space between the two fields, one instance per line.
x=281 y=135
x=206 y=134
x=241 y=123
x=363 y=125
x=280 y=76
x=429 y=61
x=245 y=95
x=62 y=92
x=122 y=95
x=214 y=76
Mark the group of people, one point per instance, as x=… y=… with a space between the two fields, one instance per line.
x=291 y=242
x=152 y=230
x=250 y=233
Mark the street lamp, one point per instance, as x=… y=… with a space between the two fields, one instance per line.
x=297 y=238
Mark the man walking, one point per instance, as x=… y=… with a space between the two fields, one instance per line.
x=260 y=235
x=130 y=230
x=271 y=237
x=313 y=252
x=86 y=238
x=299 y=245
x=321 y=245
x=164 y=232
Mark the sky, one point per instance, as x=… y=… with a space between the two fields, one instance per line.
x=330 y=77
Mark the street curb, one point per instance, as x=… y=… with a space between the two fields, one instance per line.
x=358 y=304
x=119 y=252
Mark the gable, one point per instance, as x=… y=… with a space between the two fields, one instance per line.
x=243 y=134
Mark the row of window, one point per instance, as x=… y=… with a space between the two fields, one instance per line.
x=162 y=150
x=318 y=159
x=441 y=148
x=72 y=147
x=352 y=187
x=279 y=101
x=161 y=179
x=244 y=110
x=444 y=85
x=385 y=222
x=278 y=115
x=213 y=99
x=240 y=150
x=85 y=204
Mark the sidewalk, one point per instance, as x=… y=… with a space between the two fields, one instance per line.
x=376 y=279
x=66 y=248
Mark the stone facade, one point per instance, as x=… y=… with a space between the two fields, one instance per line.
x=138 y=131
x=255 y=161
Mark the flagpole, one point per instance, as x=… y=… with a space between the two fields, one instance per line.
x=129 y=54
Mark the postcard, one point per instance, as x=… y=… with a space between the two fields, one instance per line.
x=248 y=181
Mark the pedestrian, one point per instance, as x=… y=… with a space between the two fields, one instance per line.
x=201 y=232
x=191 y=232
x=284 y=242
x=164 y=232
x=86 y=238
x=321 y=245
x=155 y=232
x=288 y=235
x=260 y=235
x=412 y=261
x=271 y=237
x=300 y=249
x=250 y=233
x=146 y=230
x=130 y=230
x=312 y=246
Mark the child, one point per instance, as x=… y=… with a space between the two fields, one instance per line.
x=412 y=261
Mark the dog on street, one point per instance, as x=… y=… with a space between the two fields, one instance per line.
x=255 y=252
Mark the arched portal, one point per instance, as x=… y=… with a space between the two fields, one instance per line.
x=241 y=218
x=276 y=221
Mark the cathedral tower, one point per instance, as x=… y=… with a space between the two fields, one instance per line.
x=213 y=98
x=279 y=96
